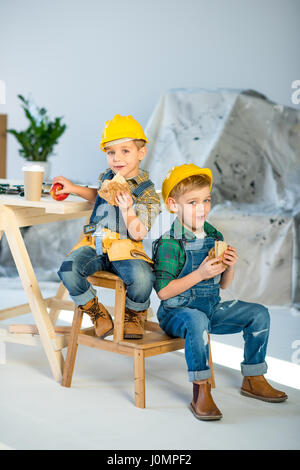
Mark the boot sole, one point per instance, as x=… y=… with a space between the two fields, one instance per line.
x=205 y=418
x=109 y=332
x=133 y=336
x=269 y=400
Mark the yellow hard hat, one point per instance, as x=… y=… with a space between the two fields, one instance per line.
x=121 y=127
x=179 y=173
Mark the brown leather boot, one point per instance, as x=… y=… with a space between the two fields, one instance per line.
x=100 y=317
x=143 y=317
x=203 y=405
x=258 y=387
x=133 y=324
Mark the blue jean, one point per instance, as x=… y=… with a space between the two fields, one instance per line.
x=83 y=262
x=194 y=324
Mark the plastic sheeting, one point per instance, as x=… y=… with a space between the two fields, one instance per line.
x=252 y=147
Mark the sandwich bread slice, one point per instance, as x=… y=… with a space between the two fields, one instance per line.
x=218 y=251
x=110 y=188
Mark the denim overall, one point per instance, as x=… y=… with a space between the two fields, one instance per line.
x=85 y=261
x=198 y=311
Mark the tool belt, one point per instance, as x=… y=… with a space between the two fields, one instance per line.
x=117 y=249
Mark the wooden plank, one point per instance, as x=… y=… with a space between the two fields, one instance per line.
x=139 y=379
x=61 y=304
x=72 y=348
x=102 y=282
x=3 y=127
x=44 y=218
x=164 y=348
x=212 y=378
x=152 y=339
x=33 y=293
x=26 y=339
x=120 y=295
x=74 y=204
x=33 y=330
x=23 y=309
x=107 y=345
x=12 y=312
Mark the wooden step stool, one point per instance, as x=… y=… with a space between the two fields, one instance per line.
x=154 y=342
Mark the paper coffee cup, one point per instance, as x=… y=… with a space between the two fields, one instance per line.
x=33 y=181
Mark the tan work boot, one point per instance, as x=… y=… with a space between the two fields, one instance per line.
x=133 y=324
x=203 y=405
x=258 y=387
x=100 y=317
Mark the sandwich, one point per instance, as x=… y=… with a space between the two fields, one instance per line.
x=110 y=188
x=218 y=252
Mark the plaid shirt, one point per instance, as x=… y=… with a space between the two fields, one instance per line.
x=169 y=255
x=147 y=206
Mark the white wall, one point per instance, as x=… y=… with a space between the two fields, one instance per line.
x=88 y=60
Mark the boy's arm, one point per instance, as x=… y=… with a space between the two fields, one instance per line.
x=206 y=270
x=68 y=187
x=177 y=286
x=227 y=278
x=230 y=258
x=139 y=220
x=135 y=227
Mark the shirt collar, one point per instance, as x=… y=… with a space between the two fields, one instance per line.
x=142 y=176
x=181 y=232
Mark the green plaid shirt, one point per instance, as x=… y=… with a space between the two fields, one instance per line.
x=169 y=255
x=147 y=206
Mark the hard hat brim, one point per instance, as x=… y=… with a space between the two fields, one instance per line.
x=185 y=172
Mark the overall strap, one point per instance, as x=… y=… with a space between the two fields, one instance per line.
x=167 y=234
x=139 y=190
x=108 y=175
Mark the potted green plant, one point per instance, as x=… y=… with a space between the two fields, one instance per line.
x=40 y=137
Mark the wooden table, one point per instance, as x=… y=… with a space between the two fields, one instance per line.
x=16 y=212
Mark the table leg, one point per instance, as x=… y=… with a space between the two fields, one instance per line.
x=33 y=293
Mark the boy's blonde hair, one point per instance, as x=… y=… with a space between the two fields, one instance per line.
x=192 y=182
x=140 y=143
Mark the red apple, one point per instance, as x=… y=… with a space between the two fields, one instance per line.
x=58 y=197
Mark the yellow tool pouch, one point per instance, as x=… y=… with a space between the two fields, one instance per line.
x=88 y=240
x=117 y=249
x=120 y=249
x=126 y=249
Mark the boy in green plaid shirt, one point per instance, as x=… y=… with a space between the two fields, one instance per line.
x=188 y=283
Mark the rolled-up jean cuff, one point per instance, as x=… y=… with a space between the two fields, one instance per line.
x=199 y=375
x=137 y=306
x=254 y=369
x=84 y=298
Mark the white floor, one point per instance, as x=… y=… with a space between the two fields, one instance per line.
x=98 y=412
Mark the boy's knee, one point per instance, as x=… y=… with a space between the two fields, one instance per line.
x=261 y=316
x=143 y=280
x=197 y=324
x=66 y=266
x=140 y=274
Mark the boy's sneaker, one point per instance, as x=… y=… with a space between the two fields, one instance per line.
x=100 y=317
x=257 y=387
x=203 y=405
x=133 y=324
